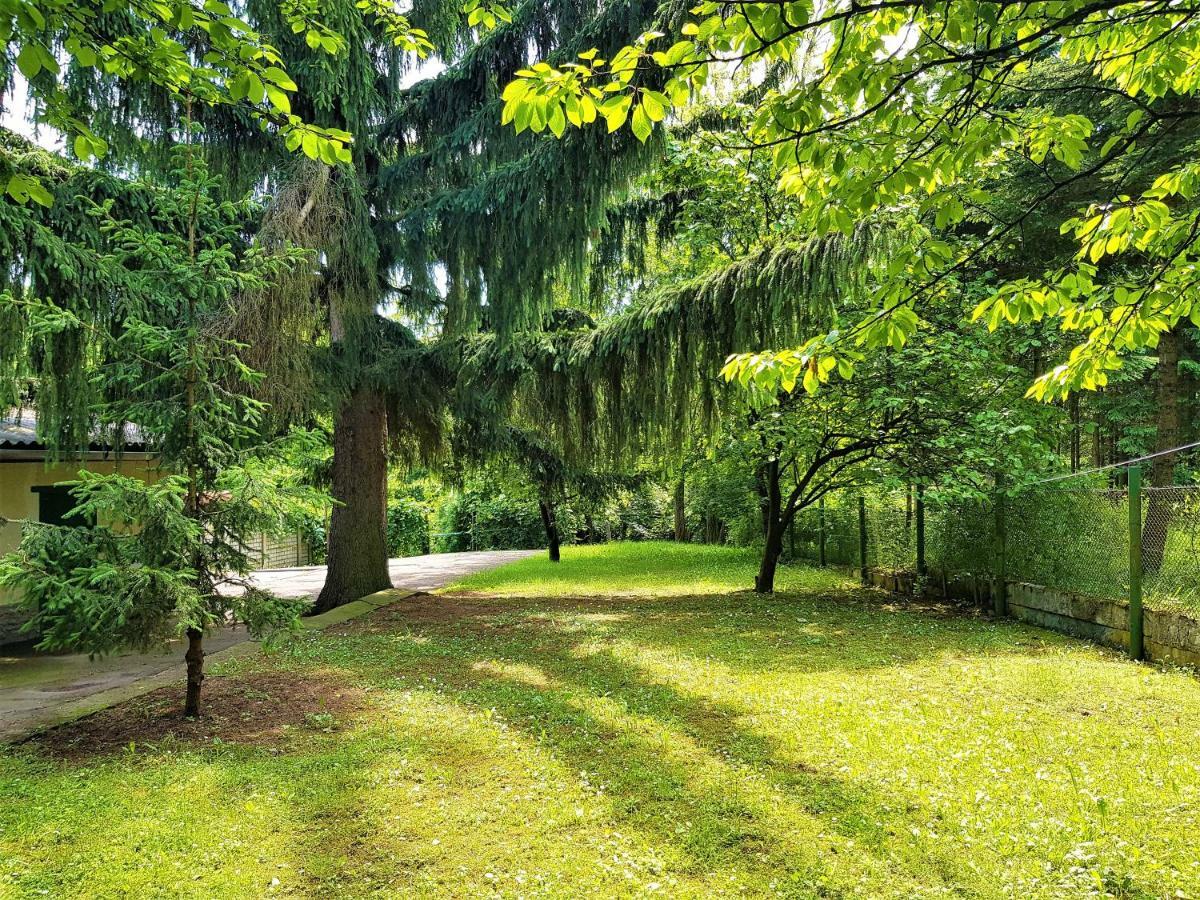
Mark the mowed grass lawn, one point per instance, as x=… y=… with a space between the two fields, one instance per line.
x=630 y=723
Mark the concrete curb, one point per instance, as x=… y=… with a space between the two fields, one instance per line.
x=74 y=710
x=357 y=608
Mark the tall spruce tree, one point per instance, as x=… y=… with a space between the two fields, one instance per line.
x=506 y=219
x=435 y=186
x=451 y=193
x=346 y=67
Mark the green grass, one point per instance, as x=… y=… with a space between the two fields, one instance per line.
x=643 y=568
x=821 y=743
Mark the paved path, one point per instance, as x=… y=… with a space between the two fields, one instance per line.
x=417 y=573
x=34 y=688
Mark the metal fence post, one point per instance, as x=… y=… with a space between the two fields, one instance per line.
x=862 y=538
x=922 y=570
x=821 y=531
x=1000 y=584
x=1136 y=638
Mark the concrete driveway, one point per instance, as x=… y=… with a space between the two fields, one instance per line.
x=37 y=689
x=417 y=573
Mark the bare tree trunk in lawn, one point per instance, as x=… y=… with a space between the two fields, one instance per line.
x=195 y=672
x=551 y=525
x=764 y=582
x=681 y=529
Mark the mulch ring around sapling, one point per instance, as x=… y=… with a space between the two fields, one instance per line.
x=258 y=709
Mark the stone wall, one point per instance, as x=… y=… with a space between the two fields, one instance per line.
x=1167 y=636
x=1172 y=637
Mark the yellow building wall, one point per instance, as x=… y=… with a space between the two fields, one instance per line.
x=18 y=501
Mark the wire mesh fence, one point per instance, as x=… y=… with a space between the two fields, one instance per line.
x=841 y=541
x=891 y=531
x=960 y=537
x=1070 y=539
x=1171 y=548
x=828 y=534
x=1113 y=541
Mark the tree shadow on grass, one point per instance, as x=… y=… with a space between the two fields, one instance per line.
x=681 y=770
x=842 y=630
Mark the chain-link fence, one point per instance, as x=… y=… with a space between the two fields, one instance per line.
x=1069 y=538
x=1171 y=547
x=892 y=531
x=828 y=534
x=1075 y=536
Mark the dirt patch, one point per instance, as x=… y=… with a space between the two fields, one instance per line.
x=260 y=709
x=937 y=609
x=426 y=609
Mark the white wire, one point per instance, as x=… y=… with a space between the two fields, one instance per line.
x=1117 y=465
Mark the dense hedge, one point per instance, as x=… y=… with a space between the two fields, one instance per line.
x=407 y=527
x=483 y=516
x=478 y=519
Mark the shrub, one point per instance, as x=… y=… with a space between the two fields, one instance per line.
x=407 y=527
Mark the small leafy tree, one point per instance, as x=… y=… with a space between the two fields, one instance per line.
x=171 y=554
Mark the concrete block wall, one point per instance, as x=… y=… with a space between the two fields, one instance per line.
x=1172 y=637
x=1169 y=636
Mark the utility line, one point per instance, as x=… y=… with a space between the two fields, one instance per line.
x=1116 y=465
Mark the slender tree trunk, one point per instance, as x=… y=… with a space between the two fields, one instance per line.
x=764 y=582
x=194 y=658
x=1075 y=432
x=762 y=485
x=1162 y=470
x=1187 y=393
x=357 y=557
x=681 y=529
x=195 y=672
x=551 y=525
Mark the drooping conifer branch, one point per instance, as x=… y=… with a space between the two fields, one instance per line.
x=647 y=379
x=509 y=220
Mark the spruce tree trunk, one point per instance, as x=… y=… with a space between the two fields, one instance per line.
x=681 y=529
x=764 y=582
x=551 y=526
x=195 y=672
x=1162 y=470
x=357 y=558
